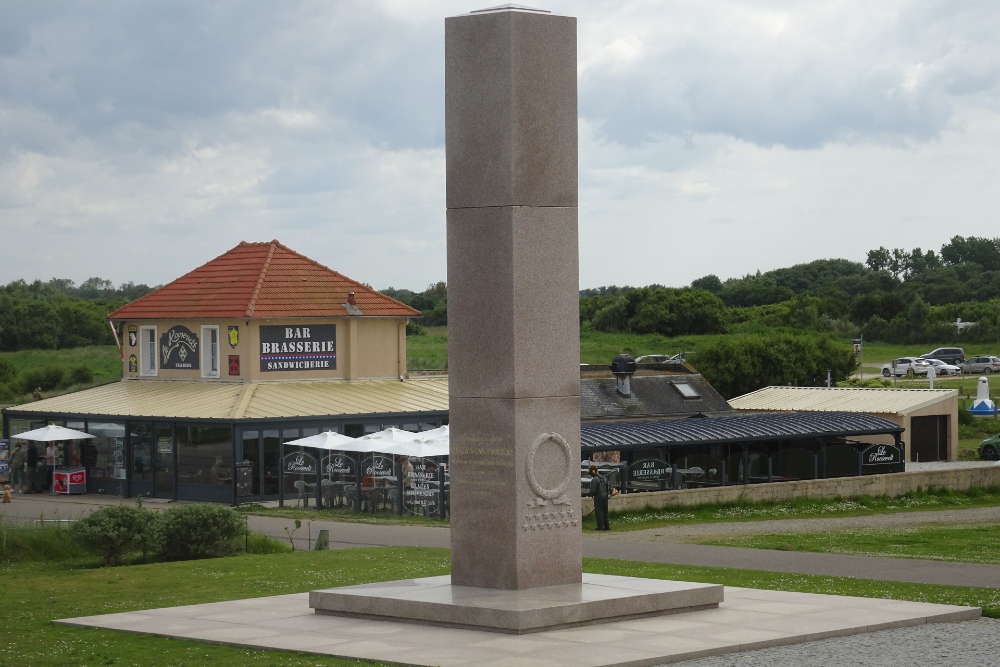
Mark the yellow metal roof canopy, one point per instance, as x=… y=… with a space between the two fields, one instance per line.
x=254 y=400
x=841 y=399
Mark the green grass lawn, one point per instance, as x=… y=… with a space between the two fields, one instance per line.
x=967 y=544
x=802 y=508
x=103 y=360
x=35 y=594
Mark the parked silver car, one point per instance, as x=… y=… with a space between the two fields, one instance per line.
x=941 y=368
x=977 y=365
x=905 y=366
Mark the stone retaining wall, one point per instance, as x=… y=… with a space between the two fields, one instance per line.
x=890 y=485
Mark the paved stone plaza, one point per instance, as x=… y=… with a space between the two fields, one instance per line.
x=748 y=619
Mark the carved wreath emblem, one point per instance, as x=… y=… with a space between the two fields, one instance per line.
x=556 y=495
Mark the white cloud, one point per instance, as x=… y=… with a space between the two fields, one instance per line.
x=140 y=140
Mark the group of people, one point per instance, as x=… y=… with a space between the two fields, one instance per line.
x=31 y=469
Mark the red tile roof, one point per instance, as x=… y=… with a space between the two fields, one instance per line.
x=260 y=280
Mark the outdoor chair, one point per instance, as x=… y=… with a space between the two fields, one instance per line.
x=393 y=499
x=328 y=491
x=374 y=498
x=303 y=489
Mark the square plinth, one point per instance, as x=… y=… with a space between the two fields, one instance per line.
x=435 y=601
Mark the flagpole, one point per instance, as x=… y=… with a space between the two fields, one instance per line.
x=121 y=352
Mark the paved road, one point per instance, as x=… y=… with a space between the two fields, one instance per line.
x=968 y=644
x=623 y=546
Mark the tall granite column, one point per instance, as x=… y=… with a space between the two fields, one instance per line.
x=513 y=298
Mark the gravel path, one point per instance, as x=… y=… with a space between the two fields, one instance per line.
x=968 y=644
x=705 y=531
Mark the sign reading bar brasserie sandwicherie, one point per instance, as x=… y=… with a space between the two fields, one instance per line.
x=295 y=348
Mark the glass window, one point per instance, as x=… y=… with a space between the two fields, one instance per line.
x=141 y=462
x=204 y=455
x=106 y=452
x=210 y=351
x=147 y=350
x=686 y=390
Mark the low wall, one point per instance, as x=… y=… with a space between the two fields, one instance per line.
x=890 y=485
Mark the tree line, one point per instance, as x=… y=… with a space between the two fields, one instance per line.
x=895 y=296
x=59 y=314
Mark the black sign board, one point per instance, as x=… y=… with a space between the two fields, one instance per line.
x=340 y=466
x=179 y=349
x=297 y=348
x=648 y=470
x=421 y=488
x=878 y=455
x=380 y=467
x=300 y=463
x=244 y=480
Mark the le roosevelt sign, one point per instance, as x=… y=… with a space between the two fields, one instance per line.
x=881 y=455
x=298 y=348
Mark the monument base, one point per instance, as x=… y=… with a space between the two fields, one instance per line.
x=435 y=601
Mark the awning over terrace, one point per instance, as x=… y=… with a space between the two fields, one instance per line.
x=761 y=427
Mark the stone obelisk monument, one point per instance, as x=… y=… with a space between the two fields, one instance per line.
x=513 y=298
x=514 y=351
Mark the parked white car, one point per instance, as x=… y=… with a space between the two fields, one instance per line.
x=941 y=368
x=906 y=366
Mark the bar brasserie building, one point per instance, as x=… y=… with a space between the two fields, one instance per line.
x=255 y=348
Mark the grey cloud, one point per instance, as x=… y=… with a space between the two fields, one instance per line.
x=864 y=73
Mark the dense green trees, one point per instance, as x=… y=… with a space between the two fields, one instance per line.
x=896 y=296
x=665 y=311
x=432 y=302
x=739 y=364
x=57 y=314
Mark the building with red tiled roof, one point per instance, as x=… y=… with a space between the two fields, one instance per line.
x=262 y=311
x=261 y=281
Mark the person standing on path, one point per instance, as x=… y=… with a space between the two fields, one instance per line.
x=17 y=468
x=599 y=492
x=31 y=466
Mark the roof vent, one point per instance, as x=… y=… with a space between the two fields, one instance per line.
x=623 y=366
x=352 y=305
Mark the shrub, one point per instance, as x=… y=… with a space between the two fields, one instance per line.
x=80 y=375
x=201 y=531
x=115 y=532
x=873 y=383
x=414 y=329
x=258 y=543
x=48 y=378
x=8 y=371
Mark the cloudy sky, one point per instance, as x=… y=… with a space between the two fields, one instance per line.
x=141 y=139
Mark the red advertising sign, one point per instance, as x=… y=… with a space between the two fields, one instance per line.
x=234 y=364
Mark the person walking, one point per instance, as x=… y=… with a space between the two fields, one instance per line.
x=599 y=492
x=17 y=468
x=31 y=466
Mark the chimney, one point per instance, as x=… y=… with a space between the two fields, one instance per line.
x=623 y=366
x=350 y=299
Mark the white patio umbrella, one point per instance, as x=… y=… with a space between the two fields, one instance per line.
x=418 y=448
x=390 y=436
x=325 y=440
x=439 y=433
x=426 y=443
x=52 y=432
